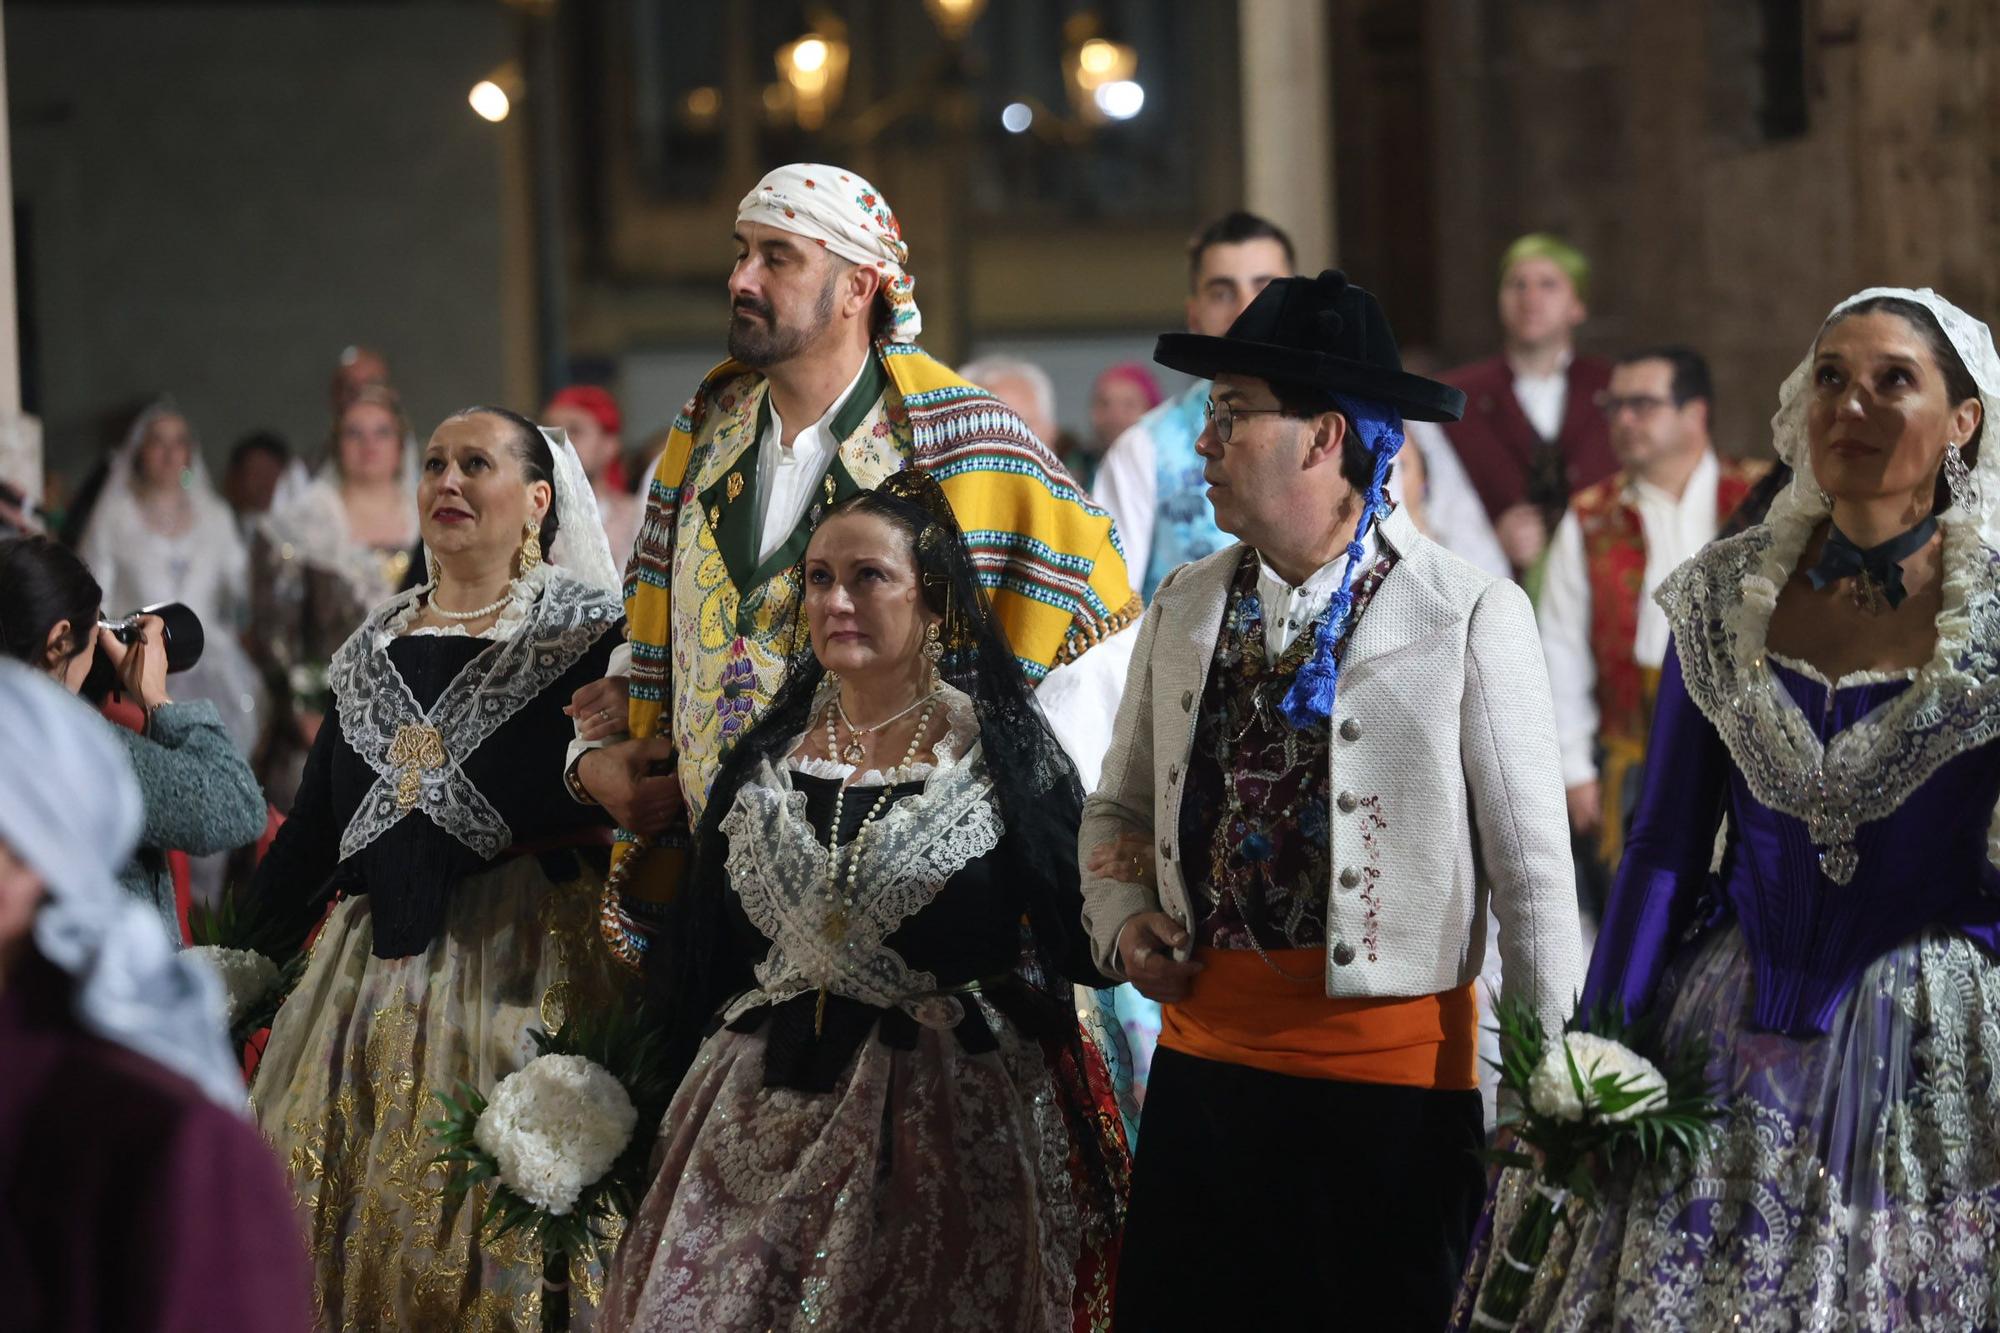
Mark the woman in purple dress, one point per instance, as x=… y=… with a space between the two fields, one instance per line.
x=1808 y=890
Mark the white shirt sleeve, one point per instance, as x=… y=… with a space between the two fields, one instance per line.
x=1080 y=700
x=620 y=664
x=1563 y=617
x=1457 y=516
x=1128 y=485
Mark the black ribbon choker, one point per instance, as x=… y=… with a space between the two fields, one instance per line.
x=1881 y=566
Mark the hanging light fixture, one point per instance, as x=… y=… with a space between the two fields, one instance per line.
x=814 y=67
x=1101 y=74
x=955 y=17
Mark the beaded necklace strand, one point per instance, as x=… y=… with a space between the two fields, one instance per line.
x=839 y=888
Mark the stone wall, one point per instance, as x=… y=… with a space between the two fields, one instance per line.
x=1729 y=181
x=215 y=199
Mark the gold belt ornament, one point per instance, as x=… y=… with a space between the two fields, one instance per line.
x=417 y=749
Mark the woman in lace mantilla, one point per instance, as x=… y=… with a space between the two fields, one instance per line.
x=464 y=880
x=889 y=1117
x=1830 y=700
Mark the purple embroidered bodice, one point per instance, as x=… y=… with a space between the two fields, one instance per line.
x=1922 y=865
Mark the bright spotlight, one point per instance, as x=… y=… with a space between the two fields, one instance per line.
x=809 y=56
x=1098 y=57
x=489 y=100
x=1121 y=100
x=1016 y=117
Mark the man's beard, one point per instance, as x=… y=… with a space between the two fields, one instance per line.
x=761 y=343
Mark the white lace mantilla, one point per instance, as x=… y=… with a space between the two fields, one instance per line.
x=418 y=755
x=778 y=868
x=1720 y=604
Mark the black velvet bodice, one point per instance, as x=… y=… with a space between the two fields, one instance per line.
x=411 y=869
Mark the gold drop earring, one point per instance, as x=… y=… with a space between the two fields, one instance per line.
x=531 y=548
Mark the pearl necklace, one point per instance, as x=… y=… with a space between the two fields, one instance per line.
x=486 y=610
x=855 y=752
x=839 y=888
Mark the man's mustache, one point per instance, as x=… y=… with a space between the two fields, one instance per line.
x=751 y=306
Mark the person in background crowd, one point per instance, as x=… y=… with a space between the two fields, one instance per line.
x=258 y=465
x=17 y=515
x=319 y=564
x=358 y=368
x=1024 y=387
x=1335 y=749
x=160 y=533
x=133 y=1194
x=200 y=796
x=1758 y=502
x=1532 y=435
x=1121 y=395
x=1602 y=632
x=1151 y=477
x=591 y=417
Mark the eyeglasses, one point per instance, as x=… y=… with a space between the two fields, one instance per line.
x=1222 y=416
x=1640 y=405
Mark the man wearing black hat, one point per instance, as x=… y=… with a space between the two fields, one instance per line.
x=1282 y=849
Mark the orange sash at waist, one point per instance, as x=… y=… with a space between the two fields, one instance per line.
x=1240 y=1012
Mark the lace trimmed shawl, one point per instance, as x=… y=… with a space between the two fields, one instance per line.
x=778 y=866
x=417 y=754
x=1720 y=604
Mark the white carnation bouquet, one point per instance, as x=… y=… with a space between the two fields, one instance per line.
x=558 y=1140
x=258 y=971
x=1585 y=1098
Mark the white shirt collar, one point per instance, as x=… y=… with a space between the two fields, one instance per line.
x=777 y=431
x=1290 y=611
x=1702 y=480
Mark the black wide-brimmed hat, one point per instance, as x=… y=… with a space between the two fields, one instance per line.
x=1319 y=333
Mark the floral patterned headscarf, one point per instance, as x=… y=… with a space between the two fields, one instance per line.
x=848 y=216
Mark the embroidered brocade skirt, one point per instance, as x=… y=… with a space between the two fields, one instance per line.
x=1855 y=1184
x=348 y=1085
x=928 y=1190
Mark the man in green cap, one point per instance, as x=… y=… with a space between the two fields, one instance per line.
x=1532 y=434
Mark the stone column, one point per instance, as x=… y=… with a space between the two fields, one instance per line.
x=20 y=435
x=1287 y=81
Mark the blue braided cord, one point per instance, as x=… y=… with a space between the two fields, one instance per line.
x=1317 y=685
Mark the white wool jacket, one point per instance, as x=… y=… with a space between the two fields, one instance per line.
x=1446 y=781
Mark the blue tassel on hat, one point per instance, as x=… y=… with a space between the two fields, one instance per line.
x=1314 y=689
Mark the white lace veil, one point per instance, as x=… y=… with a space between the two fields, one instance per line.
x=581 y=546
x=1972 y=340
x=211 y=514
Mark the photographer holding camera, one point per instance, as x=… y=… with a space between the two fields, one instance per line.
x=200 y=796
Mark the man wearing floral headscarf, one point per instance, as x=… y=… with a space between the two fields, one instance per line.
x=824 y=394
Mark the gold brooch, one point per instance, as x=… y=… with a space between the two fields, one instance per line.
x=735 y=485
x=417 y=749
x=715 y=516
x=829 y=488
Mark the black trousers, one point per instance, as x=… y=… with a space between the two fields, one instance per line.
x=1264 y=1201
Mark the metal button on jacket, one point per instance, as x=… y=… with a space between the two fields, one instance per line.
x=1349 y=877
x=1350 y=730
x=1348 y=802
x=1343 y=954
